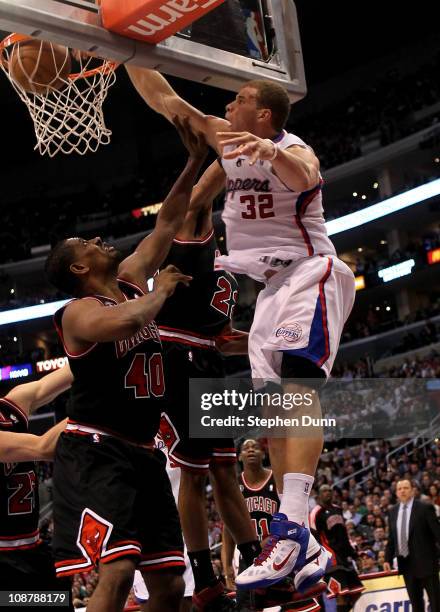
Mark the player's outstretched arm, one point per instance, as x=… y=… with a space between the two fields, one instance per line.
x=88 y=321
x=198 y=219
x=31 y=396
x=16 y=447
x=160 y=96
x=153 y=250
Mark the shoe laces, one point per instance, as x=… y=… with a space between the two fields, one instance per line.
x=267 y=549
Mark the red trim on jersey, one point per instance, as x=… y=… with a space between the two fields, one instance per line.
x=122 y=280
x=202 y=240
x=305 y=235
x=257 y=488
x=307 y=197
x=192 y=339
x=324 y=313
x=16 y=408
x=105 y=431
x=69 y=562
x=60 y=329
x=312 y=519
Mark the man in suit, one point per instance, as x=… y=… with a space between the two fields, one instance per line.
x=414 y=539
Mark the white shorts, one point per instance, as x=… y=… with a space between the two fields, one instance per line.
x=301 y=311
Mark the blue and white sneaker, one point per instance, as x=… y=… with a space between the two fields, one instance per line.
x=312 y=572
x=288 y=549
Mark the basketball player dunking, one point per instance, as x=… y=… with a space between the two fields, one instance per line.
x=191 y=323
x=113 y=503
x=276 y=234
x=26 y=563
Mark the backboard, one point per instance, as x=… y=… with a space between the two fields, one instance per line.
x=220 y=49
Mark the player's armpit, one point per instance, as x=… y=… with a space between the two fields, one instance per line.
x=297 y=167
x=160 y=96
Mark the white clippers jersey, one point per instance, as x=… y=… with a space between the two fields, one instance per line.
x=267 y=223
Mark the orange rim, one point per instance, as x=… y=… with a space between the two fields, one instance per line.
x=105 y=68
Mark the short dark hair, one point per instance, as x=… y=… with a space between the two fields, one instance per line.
x=57 y=267
x=274 y=97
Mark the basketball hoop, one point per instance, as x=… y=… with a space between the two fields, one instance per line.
x=67 y=118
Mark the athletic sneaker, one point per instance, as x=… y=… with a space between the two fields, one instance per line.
x=308 y=576
x=288 y=549
x=213 y=599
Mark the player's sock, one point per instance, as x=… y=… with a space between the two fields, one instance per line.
x=295 y=500
x=249 y=551
x=202 y=569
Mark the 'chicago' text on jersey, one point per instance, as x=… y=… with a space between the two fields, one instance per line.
x=149 y=332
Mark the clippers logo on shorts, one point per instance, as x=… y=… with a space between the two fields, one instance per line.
x=291 y=334
x=149 y=332
x=93 y=535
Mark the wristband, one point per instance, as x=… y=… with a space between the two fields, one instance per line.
x=275 y=149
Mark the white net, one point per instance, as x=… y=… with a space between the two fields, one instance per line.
x=67 y=112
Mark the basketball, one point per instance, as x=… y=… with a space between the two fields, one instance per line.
x=38 y=66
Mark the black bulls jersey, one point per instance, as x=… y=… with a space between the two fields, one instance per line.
x=329 y=525
x=262 y=503
x=207 y=305
x=19 y=505
x=118 y=385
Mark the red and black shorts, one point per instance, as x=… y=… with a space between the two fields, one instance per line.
x=113 y=500
x=181 y=363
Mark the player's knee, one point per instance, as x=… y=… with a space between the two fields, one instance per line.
x=117 y=575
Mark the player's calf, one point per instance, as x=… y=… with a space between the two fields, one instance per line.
x=166 y=591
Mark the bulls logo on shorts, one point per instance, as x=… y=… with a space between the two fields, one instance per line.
x=93 y=534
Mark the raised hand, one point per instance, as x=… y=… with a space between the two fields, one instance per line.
x=168 y=279
x=247 y=144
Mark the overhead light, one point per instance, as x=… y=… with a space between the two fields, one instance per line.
x=384 y=208
x=360 y=249
x=383 y=242
x=375 y=185
x=12 y=291
x=397 y=271
x=15 y=338
x=388 y=308
x=377 y=307
x=354 y=194
x=437 y=160
x=364 y=197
